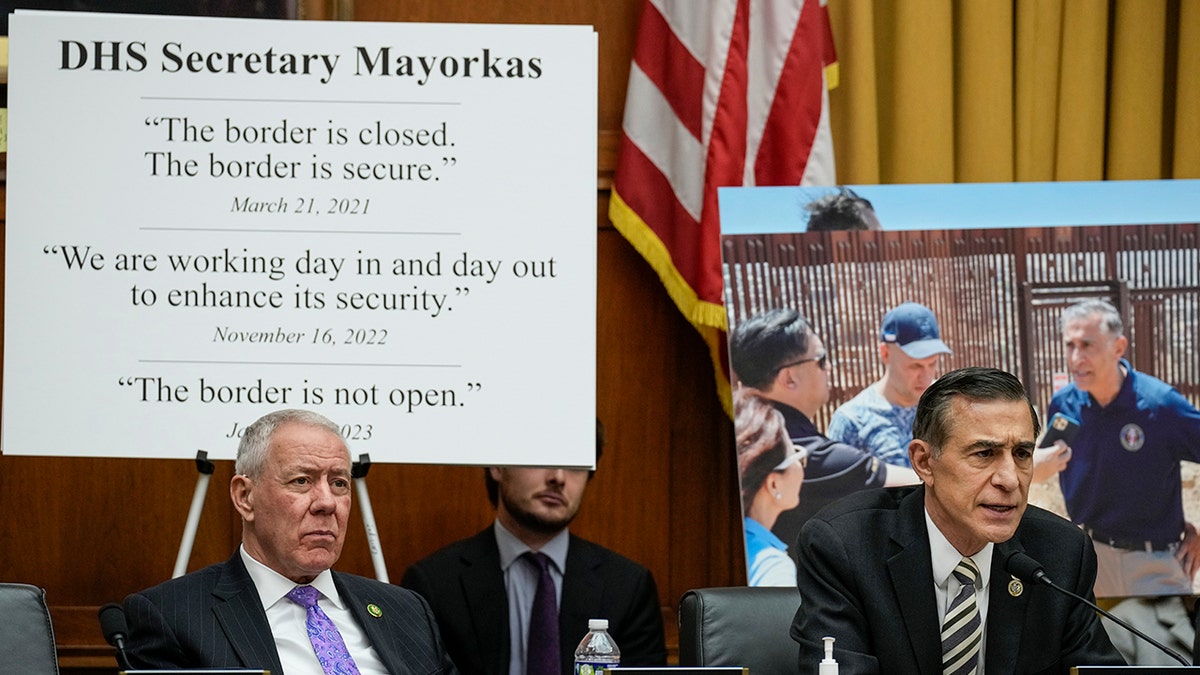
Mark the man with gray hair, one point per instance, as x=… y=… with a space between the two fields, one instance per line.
x=275 y=604
x=1123 y=484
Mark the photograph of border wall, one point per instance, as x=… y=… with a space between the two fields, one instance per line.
x=998 y=294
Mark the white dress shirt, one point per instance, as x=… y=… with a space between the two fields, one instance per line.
x=288 y=621
x=946 y=586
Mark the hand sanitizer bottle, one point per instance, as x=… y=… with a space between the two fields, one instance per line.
x=828 y=665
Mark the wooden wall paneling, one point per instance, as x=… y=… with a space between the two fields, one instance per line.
x=90 y=531
x=633 y=399
x=418 y=510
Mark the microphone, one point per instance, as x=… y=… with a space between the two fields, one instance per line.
x=115 y=629
x=1029 y=570
x=1025 y=568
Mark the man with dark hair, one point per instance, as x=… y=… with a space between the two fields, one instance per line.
x=778 y=354
x=275 y=604
x=1123 y=483
x=841 y=210
x=490 y=592
x=915 y=579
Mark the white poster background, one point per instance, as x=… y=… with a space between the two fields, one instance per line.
x=433 y=185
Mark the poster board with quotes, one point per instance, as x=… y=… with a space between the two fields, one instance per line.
x=391 y=224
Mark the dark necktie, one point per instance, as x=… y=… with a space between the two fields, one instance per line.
x=541 y=652
x=323 y=634
x=962 y=630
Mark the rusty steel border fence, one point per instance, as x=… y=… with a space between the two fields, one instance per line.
x=997 y=294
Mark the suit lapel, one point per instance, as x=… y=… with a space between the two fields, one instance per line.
x=240 y=613
x=912 y=579
x=581 y=594
x=483 y=588
x=380 y=632
x=1004 y=613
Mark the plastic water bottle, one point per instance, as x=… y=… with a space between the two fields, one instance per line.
x=597 y=652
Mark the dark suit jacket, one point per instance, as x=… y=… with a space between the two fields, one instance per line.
x=464 y=584
x=213 y=618
x=866 y=578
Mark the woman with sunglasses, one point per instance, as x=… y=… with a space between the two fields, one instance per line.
x=771 y=471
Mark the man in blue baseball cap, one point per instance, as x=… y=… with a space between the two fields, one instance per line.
x=879 y=419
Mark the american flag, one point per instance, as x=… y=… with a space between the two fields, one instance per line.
x=721 y=93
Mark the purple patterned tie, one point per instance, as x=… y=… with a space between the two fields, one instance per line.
x=326 y=640
x=541 y=652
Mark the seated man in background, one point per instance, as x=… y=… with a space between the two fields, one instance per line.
x=879 y=419
x=515 y=599
x=778 y=354
x=917 y=579
x=275 y=604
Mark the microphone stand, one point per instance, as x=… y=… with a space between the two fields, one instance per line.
x=1194 y=612
x=1040 y=577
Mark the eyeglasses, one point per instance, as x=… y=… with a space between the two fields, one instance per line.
x=801 y=456
x=822 y=360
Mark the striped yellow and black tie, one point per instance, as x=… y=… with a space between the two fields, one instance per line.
x=962 y=630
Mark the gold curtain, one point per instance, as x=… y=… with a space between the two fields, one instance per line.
x=943 y=91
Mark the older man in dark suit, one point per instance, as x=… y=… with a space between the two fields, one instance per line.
x=276 y=604
x=914 y=579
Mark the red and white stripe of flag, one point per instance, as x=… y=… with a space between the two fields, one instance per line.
x=721 y=93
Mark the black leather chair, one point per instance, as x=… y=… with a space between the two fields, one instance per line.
x=26 y=634
x=739 y=626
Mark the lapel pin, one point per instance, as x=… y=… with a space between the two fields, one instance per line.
x=1015 y=587
x=373 y=610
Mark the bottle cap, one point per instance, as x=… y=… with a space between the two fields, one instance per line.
x=597 y=624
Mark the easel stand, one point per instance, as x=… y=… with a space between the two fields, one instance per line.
x=206 y=469
x=358 y=471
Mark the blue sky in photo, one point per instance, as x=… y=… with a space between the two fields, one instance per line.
x=762 y=210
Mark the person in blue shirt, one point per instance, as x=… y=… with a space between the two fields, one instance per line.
x=1122 y=484
x=770 y=470
x=879 y=418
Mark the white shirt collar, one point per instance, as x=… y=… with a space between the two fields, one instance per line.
x=273 y=586
x=946 y=557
